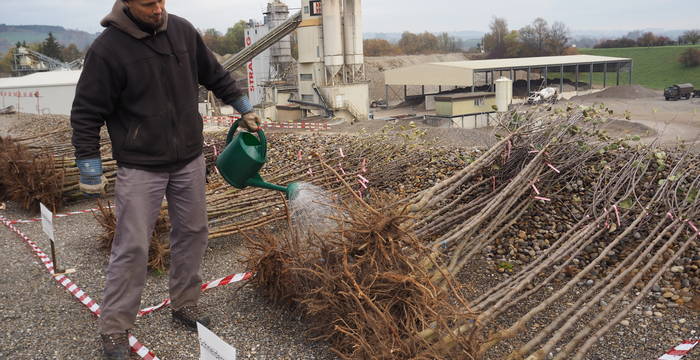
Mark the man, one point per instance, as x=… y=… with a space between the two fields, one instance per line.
x=141 y=78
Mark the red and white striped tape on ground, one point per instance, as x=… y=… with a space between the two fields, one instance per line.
x=680 y=351
x=210 y=285
x=77 y=212
x=79 y=294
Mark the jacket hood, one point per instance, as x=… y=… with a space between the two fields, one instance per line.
x=120 y=20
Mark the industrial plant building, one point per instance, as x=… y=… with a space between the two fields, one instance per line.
x=330 y=73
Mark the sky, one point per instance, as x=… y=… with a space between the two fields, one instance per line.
x=388 y=15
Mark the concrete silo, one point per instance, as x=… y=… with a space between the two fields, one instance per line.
x=331 y=59
x=274 y=65
x=353 y=40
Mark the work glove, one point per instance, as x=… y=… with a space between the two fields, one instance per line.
x=250 y=122
x=92 y=181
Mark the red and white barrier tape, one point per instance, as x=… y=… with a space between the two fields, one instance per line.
x=77 y=212
x=680 y=351
x=210 y=285
x=228 y=117
x=302 y=126
x=228 y=121
x=79 y=294
x=34 y=94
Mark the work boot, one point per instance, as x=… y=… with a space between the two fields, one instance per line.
x=190 y=316
x=115 y=346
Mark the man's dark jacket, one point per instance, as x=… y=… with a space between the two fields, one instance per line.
x=145 y=87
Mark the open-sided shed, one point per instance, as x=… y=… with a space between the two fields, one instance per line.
x=476 y=73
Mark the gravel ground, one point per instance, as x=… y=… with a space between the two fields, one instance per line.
x=642 y=335
x=41 y=320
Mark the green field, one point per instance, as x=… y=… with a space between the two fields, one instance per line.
x=653 y=67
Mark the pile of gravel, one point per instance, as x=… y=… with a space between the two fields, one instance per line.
x=620 y=92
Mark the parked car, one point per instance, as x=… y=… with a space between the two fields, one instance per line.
x=679 y=91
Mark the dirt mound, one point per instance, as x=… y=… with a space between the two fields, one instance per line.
x=621 y=128
x=621 y=92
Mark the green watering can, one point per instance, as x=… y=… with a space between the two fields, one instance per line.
x=244 y=156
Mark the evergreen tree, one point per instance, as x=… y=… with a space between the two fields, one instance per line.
x=51 y=48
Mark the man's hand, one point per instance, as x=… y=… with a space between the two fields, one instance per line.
x=92 y=182
x=250 y=121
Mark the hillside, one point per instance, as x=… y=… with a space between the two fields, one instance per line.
x=654 y=67
x=11 y=34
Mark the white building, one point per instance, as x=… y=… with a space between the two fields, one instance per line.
x=49 y=92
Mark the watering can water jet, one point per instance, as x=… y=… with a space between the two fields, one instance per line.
x=241 y=161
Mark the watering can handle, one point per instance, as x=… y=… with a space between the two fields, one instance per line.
x=261 y=135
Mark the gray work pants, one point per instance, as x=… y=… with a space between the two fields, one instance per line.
x=139 y=196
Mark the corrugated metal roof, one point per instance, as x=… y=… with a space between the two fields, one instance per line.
x=461 y=73
x=42 y=79
x=531 y=62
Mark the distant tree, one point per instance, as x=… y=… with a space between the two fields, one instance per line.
x=380 y=47
x=448 y=44
x=691 y=36
x=36 y=46
x=690 y=57
x=647 y=39
x=71 y=53
x=663 y=41
x=513 y=45
x=427 y=43
x=413 y=44
x=234 y=40
x=409 y=43
x=557 y=39
x=495 y=41
x=212 y=38
x=51 y=48
x=534 y=38
x=6 y=61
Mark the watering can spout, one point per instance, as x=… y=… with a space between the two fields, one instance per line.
x=257 y=181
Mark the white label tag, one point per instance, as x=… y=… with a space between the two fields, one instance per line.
x=211 y=347
x=47 y=221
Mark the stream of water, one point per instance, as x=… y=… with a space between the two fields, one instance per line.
x=311 y=207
